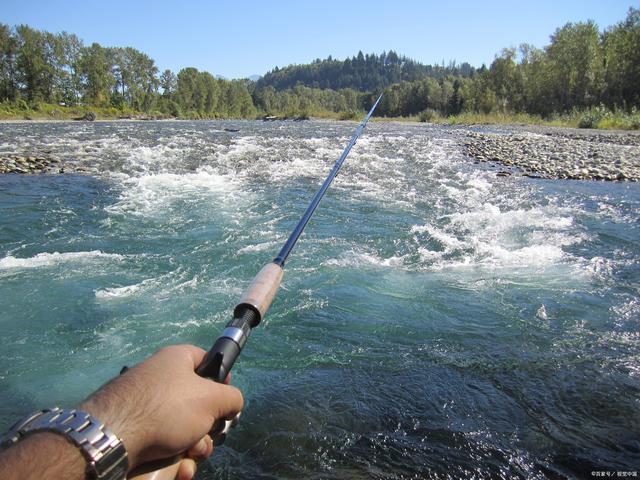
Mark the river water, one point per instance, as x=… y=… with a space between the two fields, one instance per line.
x=435 y=320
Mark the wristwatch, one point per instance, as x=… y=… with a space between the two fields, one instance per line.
x=105 y=453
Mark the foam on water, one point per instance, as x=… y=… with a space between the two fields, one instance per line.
x=491 y=236
x=53 y=259
x=154 y=157
x=258 y=247
x=360 y=259
x=126 y=291
x=150 y=195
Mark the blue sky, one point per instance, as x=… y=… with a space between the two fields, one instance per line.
x=242 y=38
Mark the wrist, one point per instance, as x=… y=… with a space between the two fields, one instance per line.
x=57 y=458
x=104 y=454
x=118 y=426
x=112 y=405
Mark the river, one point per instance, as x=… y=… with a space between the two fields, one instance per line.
x=435 y=320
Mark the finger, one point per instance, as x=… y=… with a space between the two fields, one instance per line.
x=186 y=470
x=195 y=354
x=228 y=400
x=155 y=471
x=202 y=449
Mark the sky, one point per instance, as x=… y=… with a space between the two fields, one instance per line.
x=237 y=39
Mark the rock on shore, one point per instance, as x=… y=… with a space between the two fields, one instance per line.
x=19 y=163
x=560 y=153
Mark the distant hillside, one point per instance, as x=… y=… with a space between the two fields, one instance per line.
x=364 y=73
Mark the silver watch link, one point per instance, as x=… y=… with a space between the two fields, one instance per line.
x=105 y=453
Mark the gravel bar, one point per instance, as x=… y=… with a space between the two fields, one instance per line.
x=560 y=153
x=29 y=164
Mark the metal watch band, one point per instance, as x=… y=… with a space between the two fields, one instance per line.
x=105 y=453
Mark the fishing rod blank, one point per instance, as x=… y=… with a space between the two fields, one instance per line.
x=293 y=238
x=255 y=301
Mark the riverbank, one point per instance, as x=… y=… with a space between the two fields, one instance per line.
x=596 y=117
x=559 y=153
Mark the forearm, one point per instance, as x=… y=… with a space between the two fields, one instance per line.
x=42 y=455
x=158 y=409
x=112 y=404
x=49 y=454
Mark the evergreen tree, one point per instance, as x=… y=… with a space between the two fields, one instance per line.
x=168 y=83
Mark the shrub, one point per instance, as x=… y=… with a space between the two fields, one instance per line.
x=348 y=115
x=594 y=115
x=632 y=121
x=588 y=120
x=428 y=115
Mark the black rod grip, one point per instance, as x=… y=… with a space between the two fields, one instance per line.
x=220 y=358
x=218 y=361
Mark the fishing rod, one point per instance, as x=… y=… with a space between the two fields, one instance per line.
x=255 y=301
x=253 y=306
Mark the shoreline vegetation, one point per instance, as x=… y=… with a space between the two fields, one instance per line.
x=595 y=118
x=584 y=78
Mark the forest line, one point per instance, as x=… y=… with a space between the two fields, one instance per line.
x=586 y=74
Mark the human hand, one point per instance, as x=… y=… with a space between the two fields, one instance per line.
x=184 y=467
x=162 y=408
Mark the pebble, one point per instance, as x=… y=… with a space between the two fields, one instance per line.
x=560 y=153
x=28 y=164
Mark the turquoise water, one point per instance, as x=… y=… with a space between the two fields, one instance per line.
x=434 y=321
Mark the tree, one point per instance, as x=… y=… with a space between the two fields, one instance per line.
x=34 y=69
x=210 y=93
x=506 y=81
x=622 y=61
x=8 y=53
x=265 y=99
x=575 y=60
x=96 y=76
x=67 y=77
x=455 y=101
x=186 y=89
x=236 y=99
x=136 y=79
x=168 y=83
x=536 y=80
